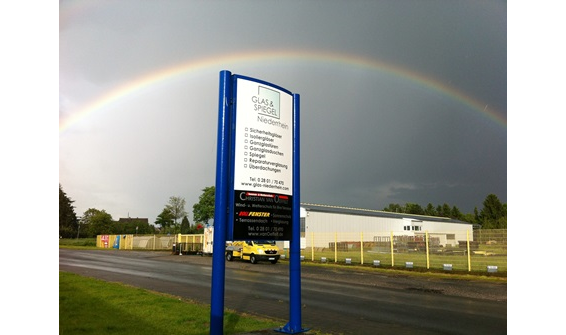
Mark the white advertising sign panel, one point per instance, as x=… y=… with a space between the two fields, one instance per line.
x=263 y=161
x=264 y=139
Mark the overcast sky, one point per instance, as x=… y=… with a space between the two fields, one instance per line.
x=401 y=101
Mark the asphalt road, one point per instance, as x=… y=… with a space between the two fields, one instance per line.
x=334 y=300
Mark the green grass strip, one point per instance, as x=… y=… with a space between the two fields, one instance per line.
x=92 y=307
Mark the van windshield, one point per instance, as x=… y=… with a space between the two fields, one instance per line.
x=264 y=242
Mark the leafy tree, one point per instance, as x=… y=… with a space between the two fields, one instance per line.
x=411 y=208
x=492 y=208
x=165 y=219
x=455 y=213
x=429 y=210
x=133 y=226
x=476 y=215
x=395 y=208
x=469 y=218
x=97 y=222
x=203 y=211
x=439 y=211
x=185 y=226
x=446 y=210
x=501 y=223
x=68 y=223
x=86 y=219
x=493 y=214
x=176 y=207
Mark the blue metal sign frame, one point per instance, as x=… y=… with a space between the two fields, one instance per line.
x=224 y=200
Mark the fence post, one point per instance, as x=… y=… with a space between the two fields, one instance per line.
x=427 y=255
x=468 y=248
x=392 y=257
x=362 y=246
x=312 y=246
x=335 y=247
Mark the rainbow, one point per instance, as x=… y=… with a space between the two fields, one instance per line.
x=221 y=62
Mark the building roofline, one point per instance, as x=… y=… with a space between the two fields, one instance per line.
x=375 y=213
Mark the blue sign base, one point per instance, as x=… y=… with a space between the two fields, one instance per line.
x=289 y=330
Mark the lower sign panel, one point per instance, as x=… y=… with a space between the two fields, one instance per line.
x=262 y=216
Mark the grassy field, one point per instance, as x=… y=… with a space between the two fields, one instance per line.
x=77 y=242
x=478 y=263
x=90 y=306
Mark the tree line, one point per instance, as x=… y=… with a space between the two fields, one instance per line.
x=173 y=218
x=493 y=215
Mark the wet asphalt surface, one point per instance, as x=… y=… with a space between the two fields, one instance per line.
x=336 y=276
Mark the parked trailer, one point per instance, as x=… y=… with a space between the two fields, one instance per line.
x=191 y=244
x=188 y=244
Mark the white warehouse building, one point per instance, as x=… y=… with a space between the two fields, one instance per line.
x=323 y=225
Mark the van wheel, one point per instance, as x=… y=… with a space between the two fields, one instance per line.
x=253 y=260
x=229 y=257
x=274 y=262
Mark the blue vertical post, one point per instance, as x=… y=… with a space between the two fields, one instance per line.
x=295 y=323
x=220 y=205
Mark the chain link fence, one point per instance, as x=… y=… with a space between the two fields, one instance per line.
x=479 y=250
